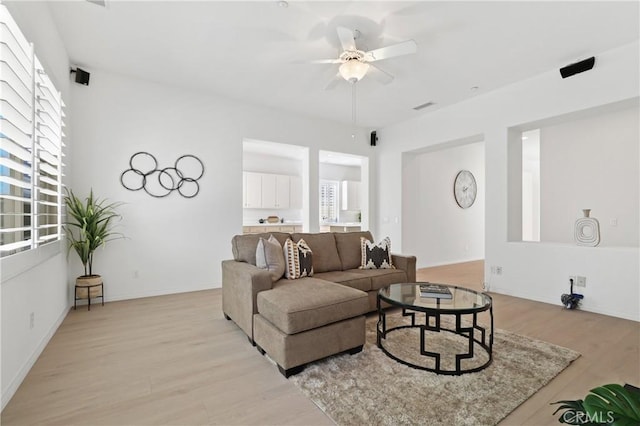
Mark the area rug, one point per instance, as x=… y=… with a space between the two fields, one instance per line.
x=370 y=388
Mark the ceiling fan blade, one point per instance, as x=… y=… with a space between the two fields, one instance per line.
x=379 y=75
x=404 y=48
x=324 y=61
x=347 y=39
x=333 y=82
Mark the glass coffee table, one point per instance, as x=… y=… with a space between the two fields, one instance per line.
x=458 y=315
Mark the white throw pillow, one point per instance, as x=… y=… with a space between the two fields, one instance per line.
x=269 y=256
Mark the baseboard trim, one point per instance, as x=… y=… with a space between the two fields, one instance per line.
x=449 y=262
x=158 y=292
x=8 y=393
x=556 y=301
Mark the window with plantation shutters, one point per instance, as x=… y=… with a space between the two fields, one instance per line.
x=31 y=135
x=328 y=201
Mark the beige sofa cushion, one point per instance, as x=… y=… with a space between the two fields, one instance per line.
x=244 y=246
x=325 y=252
x=349 y=248
x=308 y=303
x=346 y=278
x=381 y=277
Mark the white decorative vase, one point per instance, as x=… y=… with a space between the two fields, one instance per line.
x=587 y=230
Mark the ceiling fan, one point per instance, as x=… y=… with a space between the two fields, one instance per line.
x=355 y=63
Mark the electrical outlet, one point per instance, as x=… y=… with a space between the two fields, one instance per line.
x=572 y=278
x=581 y=281
x=498 y=270
x=32 y=320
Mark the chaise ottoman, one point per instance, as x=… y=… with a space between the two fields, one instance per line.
x=304 y=320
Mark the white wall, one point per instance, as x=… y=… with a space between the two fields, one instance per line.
x=339 y=172
x=176 y=244
x=537 y=271
x=264 y=163
x=591 y=163
x=435 y=229
x=34 y=281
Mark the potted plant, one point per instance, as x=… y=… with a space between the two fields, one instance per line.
x=89 y=225
x=610 y=404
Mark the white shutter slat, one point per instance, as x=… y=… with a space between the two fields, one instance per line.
x=14 y=198
x=15 y=117
x=11 y=72
x=16 y=34
x=14 y=149
x=48 y=192
x=15 y=246
x=9 y=230
x=48 y=180
x=13 y=165
x=13 y=88
x=49 y=169
x=15 y=182
x=45 y=155
x=10 y=131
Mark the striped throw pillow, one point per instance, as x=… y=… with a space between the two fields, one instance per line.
x=298 y=259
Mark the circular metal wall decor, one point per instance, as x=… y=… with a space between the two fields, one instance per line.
x=465 y=189
x=143 y=173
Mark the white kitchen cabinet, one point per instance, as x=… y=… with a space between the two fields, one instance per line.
x=295 y=192
x=268 y=191
x=252 y=193
x=350 y=194
x=283 y=191
x=271 y=191
x=275 y=191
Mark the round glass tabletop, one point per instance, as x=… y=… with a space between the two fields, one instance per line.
x=461 y=299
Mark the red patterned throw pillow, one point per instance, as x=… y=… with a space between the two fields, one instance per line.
x=376 y=256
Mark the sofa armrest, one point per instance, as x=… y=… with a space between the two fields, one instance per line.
x=407 y=264
x=241 y=283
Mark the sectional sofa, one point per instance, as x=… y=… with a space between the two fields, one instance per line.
x=297 y=321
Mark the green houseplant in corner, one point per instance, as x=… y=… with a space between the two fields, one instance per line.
x=610 y=404
x=89 y=225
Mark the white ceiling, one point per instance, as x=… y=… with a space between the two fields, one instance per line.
x=250 y=51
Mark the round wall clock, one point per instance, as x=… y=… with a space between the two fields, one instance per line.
x=465 y=189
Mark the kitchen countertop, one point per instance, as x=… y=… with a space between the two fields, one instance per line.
x=343 y=224
x=273 y=224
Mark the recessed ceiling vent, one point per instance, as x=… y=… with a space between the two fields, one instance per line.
x=423 y=106
x=102 y=3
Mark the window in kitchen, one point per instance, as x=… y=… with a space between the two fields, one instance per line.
x=329 y=201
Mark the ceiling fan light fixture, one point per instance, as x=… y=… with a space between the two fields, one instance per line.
x=353 y=69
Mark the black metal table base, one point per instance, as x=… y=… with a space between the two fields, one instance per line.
x=88 y=298
x=484 y=341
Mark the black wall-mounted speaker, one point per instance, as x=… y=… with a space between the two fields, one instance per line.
x=374 y=138
x=82 y=76
x=578 y=67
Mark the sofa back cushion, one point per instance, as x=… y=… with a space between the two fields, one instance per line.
x=349 y=248
x=325 y=252
x=244 y=246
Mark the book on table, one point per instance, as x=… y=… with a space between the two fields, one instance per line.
x=435 y=290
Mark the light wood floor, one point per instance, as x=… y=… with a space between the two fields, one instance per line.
x=175 y=360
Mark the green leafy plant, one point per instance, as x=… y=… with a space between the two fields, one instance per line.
x=605 y=405
x=89 y=225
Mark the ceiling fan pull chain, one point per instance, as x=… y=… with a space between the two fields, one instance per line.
x=353 y=103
